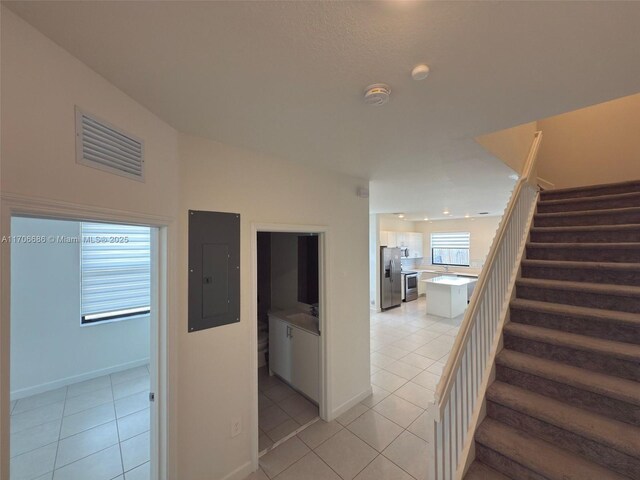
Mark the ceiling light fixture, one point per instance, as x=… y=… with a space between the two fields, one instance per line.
x=400 y=215
x=467 y=216
x=426 y=219
x=446 y=212
x=420 y=72
x=377 y=94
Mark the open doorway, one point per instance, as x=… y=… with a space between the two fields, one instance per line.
x=83 y=349
x=289 y=333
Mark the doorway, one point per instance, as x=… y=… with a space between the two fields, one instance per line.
x=85 y=396
x=290 y=336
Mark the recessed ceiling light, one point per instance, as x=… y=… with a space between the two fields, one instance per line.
x=467 y=216
x=446 y=212
x=426 y=219
x=400 y=215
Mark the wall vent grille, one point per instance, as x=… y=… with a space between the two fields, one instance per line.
x=106 y=147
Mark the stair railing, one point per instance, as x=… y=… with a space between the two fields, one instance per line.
x=453 y=416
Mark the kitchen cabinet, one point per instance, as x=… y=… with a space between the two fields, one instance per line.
x=294 y=355
x=409 y=240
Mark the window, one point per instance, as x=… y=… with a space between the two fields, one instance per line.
x=115 y=265
x=450 y=248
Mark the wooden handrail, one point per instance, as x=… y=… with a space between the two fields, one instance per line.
x=455 y=357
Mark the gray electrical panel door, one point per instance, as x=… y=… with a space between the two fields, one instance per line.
x=214 y=269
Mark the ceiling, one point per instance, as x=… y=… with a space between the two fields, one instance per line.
x=287 y=78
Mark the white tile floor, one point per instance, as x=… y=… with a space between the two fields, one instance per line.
x=93 y=430
x=383 y=437
x=281 y=409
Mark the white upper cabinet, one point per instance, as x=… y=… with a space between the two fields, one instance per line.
x=409 y=240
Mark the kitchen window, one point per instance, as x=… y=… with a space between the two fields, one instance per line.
x=115 y=269
x=450 y=248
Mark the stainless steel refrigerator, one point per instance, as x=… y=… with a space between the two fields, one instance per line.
x=390 y=282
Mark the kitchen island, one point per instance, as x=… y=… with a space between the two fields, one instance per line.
x=447 y=295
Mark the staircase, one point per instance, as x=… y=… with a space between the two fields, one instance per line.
x=565 y=403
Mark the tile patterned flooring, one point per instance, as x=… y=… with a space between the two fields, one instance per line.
x=93 y=430
x=384 y=436
x=281 y=410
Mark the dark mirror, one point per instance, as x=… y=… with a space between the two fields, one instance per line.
x=308 y=269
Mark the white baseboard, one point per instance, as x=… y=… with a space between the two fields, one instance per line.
x=240 y=473
x=349 y=404
x=63 y=382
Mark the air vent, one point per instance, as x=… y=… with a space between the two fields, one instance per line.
x=106 y=147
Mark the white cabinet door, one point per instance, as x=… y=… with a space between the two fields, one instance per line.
x=392 y=239
x=384 y=238
x=417 y=245
x=280 y=354
x=305 y=373
x=402 y=239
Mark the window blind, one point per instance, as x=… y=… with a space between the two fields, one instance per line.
x=450 y=240
x=115 y=271
x=451 y=248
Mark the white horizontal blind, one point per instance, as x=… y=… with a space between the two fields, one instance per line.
x=116 y=271
x=450 y=248
x=450 y=240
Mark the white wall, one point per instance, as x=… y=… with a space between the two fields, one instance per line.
x=41 y=84
x=265 y=190
x=593 y=145
x=49 y=347
x=284 y=270
x=209 y=371
x=482 y=230
x=394 y=224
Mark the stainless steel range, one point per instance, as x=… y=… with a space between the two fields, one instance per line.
x=409 y=286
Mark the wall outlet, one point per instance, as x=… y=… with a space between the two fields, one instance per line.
x=236 y=427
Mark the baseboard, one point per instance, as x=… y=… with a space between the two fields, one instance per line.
x=349 y=404
x=63 y=382
x=240 y=473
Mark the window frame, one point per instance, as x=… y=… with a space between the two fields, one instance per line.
x=468 y=249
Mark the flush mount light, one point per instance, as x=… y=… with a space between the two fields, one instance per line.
x=377 y=94
x=420 y=72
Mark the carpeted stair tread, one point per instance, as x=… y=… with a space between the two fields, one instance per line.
x=580 y=213
x=604 y=289
x=628 y=318
x=480 y=471
x=584 y=245
x=574 y=200
x=590 y=190
x=587 y=228
x=599 y=383
x=620 y=350
x=539 y=456
x=620 y=436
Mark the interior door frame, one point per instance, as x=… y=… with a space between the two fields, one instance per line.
x=325 y=329
x=162 y=231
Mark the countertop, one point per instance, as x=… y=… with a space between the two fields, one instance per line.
x=450 y=280
x=450 y=272
x=305 y=322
